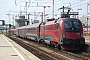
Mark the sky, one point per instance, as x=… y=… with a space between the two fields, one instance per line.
x=11 y=8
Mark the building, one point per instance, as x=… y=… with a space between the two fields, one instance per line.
x=20 y=21
x=84 y=20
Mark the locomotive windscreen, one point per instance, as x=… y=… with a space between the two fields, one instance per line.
x=72 y=26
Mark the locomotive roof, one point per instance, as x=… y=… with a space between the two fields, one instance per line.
x=70 y=19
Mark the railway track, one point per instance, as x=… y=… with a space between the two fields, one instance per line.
x=48 y=53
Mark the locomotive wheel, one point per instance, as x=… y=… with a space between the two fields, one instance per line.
x=23 y=37
x=26 y=37
x=57 y=46
x=36 y=40
x=42 y=41
x=52 y=44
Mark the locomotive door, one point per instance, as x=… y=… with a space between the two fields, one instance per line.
x=41 y=31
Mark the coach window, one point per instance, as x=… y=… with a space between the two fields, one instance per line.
x=33 y=30
x=28 y=30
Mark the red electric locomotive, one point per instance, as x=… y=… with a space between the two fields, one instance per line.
x=66 y=33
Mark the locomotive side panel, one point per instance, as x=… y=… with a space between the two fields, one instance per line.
x=49 y=33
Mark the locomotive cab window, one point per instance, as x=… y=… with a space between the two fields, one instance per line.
x=72 y=26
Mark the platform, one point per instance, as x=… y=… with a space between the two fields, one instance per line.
x=87 y=40
x=9 y=50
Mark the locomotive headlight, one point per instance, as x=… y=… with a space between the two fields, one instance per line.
x=63 y=35
x=81 y=35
